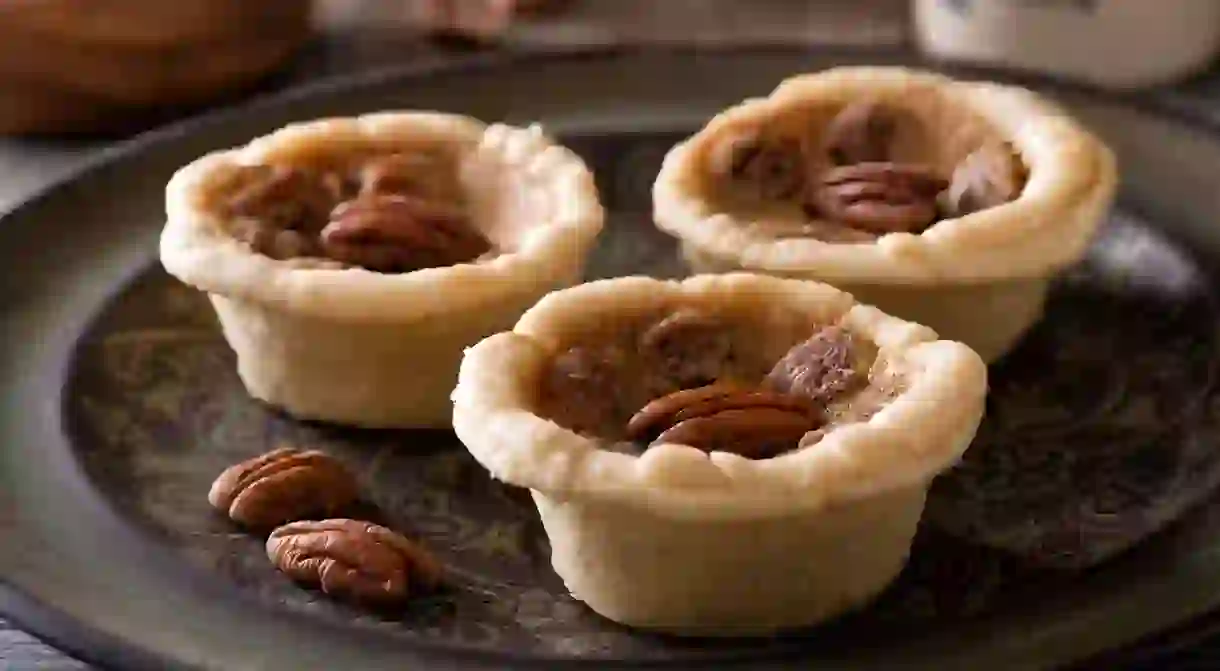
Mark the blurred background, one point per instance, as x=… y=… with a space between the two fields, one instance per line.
x=88 y=66
x=78 y=73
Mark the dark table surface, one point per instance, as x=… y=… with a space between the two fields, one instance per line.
x=28 y=164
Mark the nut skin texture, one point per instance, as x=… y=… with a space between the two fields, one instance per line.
x=281 y=486
x=400 y=233
x=753 y=423
x=862 y=132
x=389 y=213
x=769 y=168
x=785 y=413
x=819 y=369
x=989 y=176
x=277 y=243
x=579 y=387
x=593 y=389
x=880 y=197
x=353 y=561
x=664 y=413
x=754 y=433
x=690 y=348
x=278 y=210
x=423 y=174
x=283 y=197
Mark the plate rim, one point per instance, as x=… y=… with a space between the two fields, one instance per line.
x=87 y=643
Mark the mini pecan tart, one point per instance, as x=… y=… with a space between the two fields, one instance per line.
x=728 y=454
x=351 y=260
x=948 y=203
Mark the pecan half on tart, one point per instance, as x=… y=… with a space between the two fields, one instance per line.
x=351 y=260
x=729 y=454
x=948 y=203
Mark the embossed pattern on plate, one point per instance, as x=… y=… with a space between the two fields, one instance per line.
x=1096 y=436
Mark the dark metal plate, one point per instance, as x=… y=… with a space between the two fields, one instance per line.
x=121 y=404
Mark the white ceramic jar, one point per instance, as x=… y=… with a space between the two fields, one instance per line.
x=1120 y=44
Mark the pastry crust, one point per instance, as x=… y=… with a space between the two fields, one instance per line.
x=834 y=519
x=1071 y=183
x=359 y=347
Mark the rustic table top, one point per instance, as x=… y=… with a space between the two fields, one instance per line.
x=28 y=164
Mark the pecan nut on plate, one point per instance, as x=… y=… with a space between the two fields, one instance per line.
x=283 y=485
x=354 y=561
